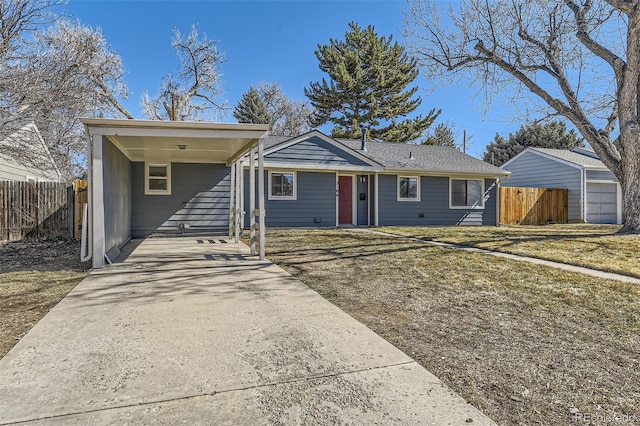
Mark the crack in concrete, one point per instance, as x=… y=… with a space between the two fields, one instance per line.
x=213 y=393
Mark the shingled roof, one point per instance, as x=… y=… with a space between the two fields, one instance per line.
x=574 y=157
x=411 y=157
x=440 y=159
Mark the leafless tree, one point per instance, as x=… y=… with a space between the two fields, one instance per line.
x=288 y=118
x=18 y=18
x=580 y=58
x=51 y=77
x=192 y=93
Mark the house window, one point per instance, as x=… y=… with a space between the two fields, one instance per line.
x=282 y=185
x=408 y=188
x=157 y=179
x=467 y=193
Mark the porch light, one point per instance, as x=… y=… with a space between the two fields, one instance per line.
x=182 y=147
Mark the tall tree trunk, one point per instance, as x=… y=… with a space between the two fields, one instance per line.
x=630 y=183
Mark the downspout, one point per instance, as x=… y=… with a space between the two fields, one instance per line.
x=86 y=242
x=368 y=201
x=583 y=195
x=376 y=219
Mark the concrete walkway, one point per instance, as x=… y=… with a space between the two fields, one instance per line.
x=534 y=260
x=193 y=331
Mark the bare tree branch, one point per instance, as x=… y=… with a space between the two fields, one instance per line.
x=192 y=94
x=581 y=59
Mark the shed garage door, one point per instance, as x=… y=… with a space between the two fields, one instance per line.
x=602 y=202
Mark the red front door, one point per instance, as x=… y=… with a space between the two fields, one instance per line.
x=345 y=202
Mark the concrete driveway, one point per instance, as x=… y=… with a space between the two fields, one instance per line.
x=194 y=331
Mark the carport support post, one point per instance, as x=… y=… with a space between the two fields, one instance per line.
x=252 y=200
x=97 y=202
x=238 y=212
x=261 y=196
x=242 y=206
x=232 y=199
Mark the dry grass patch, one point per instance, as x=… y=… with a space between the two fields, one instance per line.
x=34 y=277
x=525 y=344
x=591 y=246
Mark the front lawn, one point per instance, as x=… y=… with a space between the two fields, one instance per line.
x=34 y=277
x=526 y=344
x=591 y=246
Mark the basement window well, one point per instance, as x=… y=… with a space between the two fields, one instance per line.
x=157 y=178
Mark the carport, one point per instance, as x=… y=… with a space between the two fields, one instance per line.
x=166 y=177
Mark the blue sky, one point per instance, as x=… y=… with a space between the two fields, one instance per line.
x=266 y=41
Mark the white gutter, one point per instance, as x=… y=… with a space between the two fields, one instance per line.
x=583 y=197
x=85 y=249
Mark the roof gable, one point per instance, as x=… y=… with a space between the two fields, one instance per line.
x=573 y=158
x=25 y=149
x=316 y=150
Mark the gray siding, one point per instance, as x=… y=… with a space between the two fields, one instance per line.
x=315 y=151
x=601 y=175
x=117 y=195
x=315 y=205
x=535 y=171
x=433 y=205
x=362 y=205
x=199 y=197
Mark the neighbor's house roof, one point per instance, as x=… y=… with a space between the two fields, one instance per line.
x=582 y=157
x=24 y=154
x=407 y=157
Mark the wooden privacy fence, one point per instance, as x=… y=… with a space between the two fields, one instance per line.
x=533 y=206
x=38 y=210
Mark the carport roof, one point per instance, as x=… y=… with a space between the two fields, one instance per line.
x=152 y=140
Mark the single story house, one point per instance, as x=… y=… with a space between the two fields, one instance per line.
x=154 y=177
x=317 y=181
x=595 y=195
x=24 y=157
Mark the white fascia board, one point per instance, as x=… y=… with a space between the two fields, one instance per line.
x=445 y=173
x=320 y=167
x=597 y=168
x=327 y=139
x=46 y=150
x=195 y=133
x=609 y=182
x=160 y=124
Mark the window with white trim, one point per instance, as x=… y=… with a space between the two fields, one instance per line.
x=467 y=193
x=282 y=185
x=157 y=177
x=408 y=188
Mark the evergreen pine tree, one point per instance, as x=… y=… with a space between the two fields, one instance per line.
x=368 y=85
x=548 y=135
x=251 y=108
x=443 y=135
